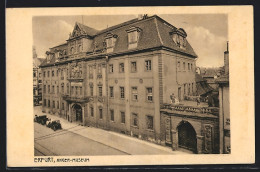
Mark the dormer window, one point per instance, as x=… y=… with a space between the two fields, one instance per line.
x=179 y=37
x=133 y=37
x=110 y=41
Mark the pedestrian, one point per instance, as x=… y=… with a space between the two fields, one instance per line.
x=198 y=100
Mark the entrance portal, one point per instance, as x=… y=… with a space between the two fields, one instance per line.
x=78 y=112
x=187 y=136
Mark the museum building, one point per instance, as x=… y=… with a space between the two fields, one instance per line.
x=120 y=79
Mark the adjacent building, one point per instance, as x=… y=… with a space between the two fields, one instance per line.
x=37 y=79
x=224 y=107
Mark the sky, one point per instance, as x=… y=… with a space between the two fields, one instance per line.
x=207 y=33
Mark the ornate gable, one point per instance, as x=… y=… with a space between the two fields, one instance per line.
x=77 y=31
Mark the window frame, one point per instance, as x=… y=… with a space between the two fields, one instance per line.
x=111 y=92
x=121 y=88
x=112 y=115
x=121 y=67
x=100 y=111
x=122 y=113
x=133 y=94
x=134 y=123
x=149 y=94
x=111 y=68
x=100 y=91
x=147 y=120
x=148 y=67
x=133 y=62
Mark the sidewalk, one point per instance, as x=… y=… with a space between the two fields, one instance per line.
x=119 y=141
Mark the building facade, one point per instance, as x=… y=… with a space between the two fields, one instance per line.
x=224 y=107
x=37 y=79
x=118 y=78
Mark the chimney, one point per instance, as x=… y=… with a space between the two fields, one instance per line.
x=226 y=61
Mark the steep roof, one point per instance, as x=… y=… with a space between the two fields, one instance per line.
x=90 y=31
x=37 y=62
x=155 y=32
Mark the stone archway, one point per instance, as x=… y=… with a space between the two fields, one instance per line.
x=77 y=109
x=187 y=137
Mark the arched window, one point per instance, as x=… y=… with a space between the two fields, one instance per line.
x=79 y=48
x=72 y=50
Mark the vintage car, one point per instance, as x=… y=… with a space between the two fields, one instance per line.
x=41 y=119
x=55 y=125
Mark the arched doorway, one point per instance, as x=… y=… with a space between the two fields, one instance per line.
x=187 y=136
x=78 y=112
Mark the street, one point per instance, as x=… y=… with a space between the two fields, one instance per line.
x=65 y=142
x=78 y=140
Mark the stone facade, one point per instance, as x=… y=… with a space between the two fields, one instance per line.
x=117 y=78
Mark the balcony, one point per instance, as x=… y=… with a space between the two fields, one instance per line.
x=200 y=111
x=76 y=99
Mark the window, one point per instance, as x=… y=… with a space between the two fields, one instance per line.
x=52 y=73
x=149 y=93
x=100 y=91
x=148 y=65
x=184 y=91
x=48 y=73
x=90 y=72
x=44 y=74
x=62 y=106
x=122 y=92
x=192 y=88
x=44 y=89
x=62 y=89
x=122 y=117
x=53 y=104
x=191 y=68
x=111 y=68
x=58 y=105
x=72 y=90
x=53 y=90
x=100 y=113
x=40 y=74
x=189 y=89
x=132 y=37
x=79 y=48
x=112 y=115
x=57 y=73
x=111 y=89
x=121 y=67
x=134 y=94
x=133 y=67
x=58 y=91
x=44 y=102
x=134 y=119
x=90 y=69
x=49 y=89
x=184 y=66
x=72 y=50
x=188 y=66
x=80 y=90
x=109 y=42
x=49 y=103
x=76 y=90
x=34 y=74
x=91 y=90
x=99 y=69
x=91 y=111
x=179 y=66
x=68 y=88
x=149 y=122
